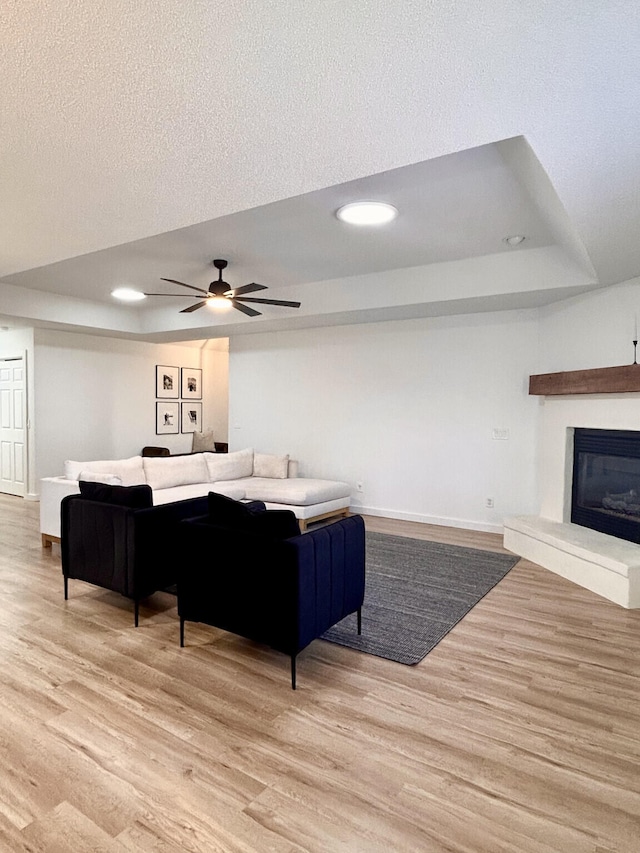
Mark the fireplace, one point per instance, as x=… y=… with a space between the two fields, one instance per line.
x=605 y=560
x=606 y=482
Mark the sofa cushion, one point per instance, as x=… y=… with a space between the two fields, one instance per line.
x=108 y=478
x=135 y=497
x=296 y=492
x=163 y=472
x=130 y=471
x=270 y=465
x=229 y=466
x=194 y=490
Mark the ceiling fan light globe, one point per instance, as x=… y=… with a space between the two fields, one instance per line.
x=219 y=303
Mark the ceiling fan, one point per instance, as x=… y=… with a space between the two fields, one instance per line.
x=221 y=292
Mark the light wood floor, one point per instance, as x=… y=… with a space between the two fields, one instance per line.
x=519 y=732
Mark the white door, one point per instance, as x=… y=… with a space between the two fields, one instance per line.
x=13 y=423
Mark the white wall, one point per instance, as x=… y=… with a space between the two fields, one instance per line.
x=406 y=407
x=215 y=366
x=95 y=396
x=592 y=330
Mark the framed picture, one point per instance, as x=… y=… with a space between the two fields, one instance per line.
x=167 y=415
x=167 y=382
x=192 y=417
x=191 y=384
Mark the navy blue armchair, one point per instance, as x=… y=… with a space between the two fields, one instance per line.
x=256 y=575
x=113 y=537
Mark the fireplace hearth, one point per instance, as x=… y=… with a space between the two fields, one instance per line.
x=606 y=482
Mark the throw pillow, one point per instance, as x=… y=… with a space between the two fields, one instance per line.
x=92 y=477
x=225 y=512
x=203 y=441
x=270 y=465
x=134 y=497
x=230 y=466
x=252 y=517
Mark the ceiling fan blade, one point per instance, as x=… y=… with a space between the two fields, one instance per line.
x=175 y=295
x=182 y=284
x=193 y=307
x=281 y=302
x=247 y=288
x=250 y=312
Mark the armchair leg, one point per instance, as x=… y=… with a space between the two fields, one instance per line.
x=182 y=632
x=359 y=620
x=136 y=611
x=66 y=588
x=293 y=672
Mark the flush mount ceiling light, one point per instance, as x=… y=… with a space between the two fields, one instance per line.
x=514 y=240
x=367 y=213
x=127 y=294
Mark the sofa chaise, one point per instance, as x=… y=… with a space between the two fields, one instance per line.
x=242 y=475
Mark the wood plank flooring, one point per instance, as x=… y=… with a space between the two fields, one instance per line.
x=520 y=731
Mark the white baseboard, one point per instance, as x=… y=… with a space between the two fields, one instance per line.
x=427 y=519
x=32 y=496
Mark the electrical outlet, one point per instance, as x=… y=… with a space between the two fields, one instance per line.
x=500 y=434
x=359 y=486
x=488 y=502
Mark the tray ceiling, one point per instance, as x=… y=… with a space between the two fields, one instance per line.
x=143 y=142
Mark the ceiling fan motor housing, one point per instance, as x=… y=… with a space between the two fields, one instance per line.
x=219 y=287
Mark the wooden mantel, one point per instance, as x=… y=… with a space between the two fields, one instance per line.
x=601 y=380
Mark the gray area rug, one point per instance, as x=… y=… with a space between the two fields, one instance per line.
x=416 y=591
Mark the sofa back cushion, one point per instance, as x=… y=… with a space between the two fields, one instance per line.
x=135 y=497
x=108 y=478
x=270 y=465
x=164 y=472
x=229 y=466
x=130 y=471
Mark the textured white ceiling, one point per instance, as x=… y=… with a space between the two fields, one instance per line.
x=124 y=121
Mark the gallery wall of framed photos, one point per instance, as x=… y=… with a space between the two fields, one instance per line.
x=178 y=399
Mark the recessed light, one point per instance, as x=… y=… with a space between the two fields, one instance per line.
x=127 y=294
x=514 y=240
x=367 y=213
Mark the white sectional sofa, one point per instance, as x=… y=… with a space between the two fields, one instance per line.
x=240 y=475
